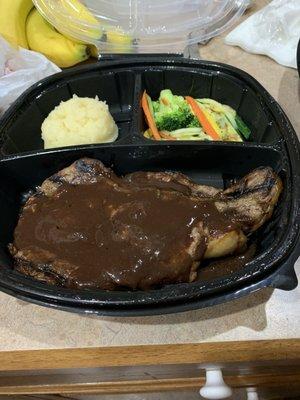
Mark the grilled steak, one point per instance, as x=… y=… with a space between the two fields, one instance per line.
x=85 y=227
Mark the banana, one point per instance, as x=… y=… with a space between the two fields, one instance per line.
x=13 y=15
x=94 y=51
x=93 y=29
x=82 y=14
x=44 y=38
x=79 y=11
x=119 y=40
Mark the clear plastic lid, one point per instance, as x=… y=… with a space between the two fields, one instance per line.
x=141 y=26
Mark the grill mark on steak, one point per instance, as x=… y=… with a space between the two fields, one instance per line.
x=251 y=201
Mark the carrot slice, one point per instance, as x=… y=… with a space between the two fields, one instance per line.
x=166 y=136
x=208 y=129
x=149 y=118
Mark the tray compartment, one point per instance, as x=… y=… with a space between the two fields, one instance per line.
x=215 y=165
x=219 y=86
x=116 y=88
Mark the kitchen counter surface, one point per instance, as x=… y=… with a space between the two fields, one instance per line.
x=268 y=314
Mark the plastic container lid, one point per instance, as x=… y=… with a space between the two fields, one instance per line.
x=141 y=26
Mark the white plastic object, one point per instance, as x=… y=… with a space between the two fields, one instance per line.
x=252 y=394
x=274 y=31
x=19 y=69
x=153 y=26
x=215 y=388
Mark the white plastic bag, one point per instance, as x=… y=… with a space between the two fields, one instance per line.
x=20 y=69
x=273 y=31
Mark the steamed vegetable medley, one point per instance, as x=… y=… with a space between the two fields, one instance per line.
x=174 y=117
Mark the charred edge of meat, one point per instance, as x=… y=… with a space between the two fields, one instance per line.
x=88 y=166
x=244 y=190
x=84 y=166
x=40 y=272
x=56 y=179
x=242 y=187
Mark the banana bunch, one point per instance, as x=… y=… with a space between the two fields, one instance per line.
x=42 y=37
x=22 y=25
x=13 y=15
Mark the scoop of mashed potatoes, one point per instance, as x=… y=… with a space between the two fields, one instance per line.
x=80 y=120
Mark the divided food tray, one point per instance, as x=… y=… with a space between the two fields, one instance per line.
x=24 y=165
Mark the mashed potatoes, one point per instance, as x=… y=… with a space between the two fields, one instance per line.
x=80 y=120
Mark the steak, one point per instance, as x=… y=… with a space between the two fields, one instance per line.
x=87 y=228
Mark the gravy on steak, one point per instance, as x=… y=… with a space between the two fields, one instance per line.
x=87 y=228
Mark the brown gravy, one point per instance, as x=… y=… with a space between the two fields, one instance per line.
x=110 y=234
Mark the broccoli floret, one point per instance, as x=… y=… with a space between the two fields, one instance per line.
x=166 y=97
x=193 y=122
x=155 y=105
x=172 y=112
x=169 y=120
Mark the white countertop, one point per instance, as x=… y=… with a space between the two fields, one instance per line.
x=267 y=314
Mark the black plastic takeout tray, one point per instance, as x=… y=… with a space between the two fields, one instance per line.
x=24 y=165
